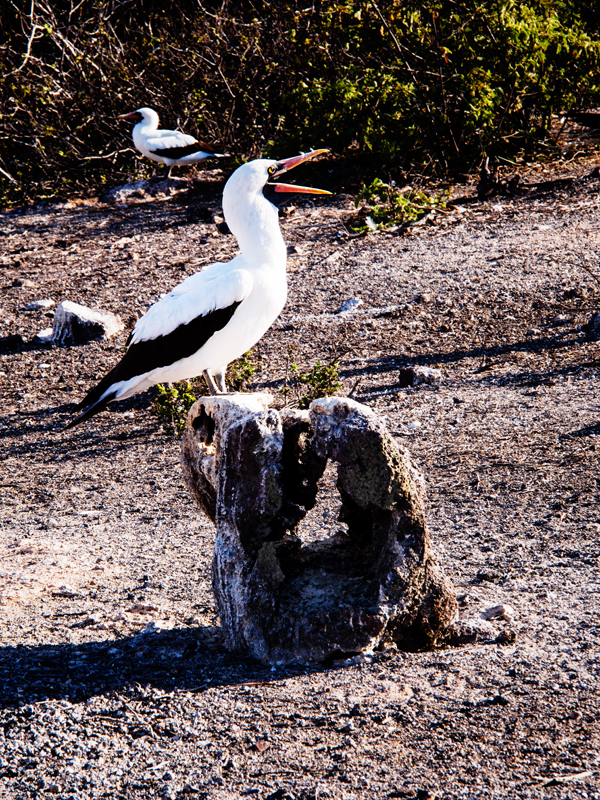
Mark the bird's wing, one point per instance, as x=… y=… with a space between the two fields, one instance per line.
x=202 y=293
x=175 y=144
x=174 y=328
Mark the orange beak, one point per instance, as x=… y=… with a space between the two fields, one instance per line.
x=134 y=116
x=289 y=163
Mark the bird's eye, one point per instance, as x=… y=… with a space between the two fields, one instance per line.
x=272 y=169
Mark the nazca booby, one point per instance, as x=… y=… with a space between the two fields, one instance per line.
x=167 y=147
x=215 y=315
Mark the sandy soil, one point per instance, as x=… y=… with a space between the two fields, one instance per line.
x=114 y=682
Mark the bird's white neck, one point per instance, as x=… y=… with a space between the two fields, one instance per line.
x=149 y=123
x=255 y=223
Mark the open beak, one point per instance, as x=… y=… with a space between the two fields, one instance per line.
x=134 y=116
x=289 y=163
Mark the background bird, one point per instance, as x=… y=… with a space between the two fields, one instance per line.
x=167 y=147
x=218 y=314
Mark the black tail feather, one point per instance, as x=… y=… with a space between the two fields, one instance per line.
x=91 y=411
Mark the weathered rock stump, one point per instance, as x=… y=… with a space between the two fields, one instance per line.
x=255 y=472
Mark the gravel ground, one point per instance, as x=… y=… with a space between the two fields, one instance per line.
x=114 y=682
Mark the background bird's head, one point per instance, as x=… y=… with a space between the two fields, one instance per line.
x=141 y=114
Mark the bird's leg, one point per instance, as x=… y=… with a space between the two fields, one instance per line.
x=168 y=172
x=212 y=386
x=220 y=379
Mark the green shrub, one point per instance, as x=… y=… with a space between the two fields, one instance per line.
x=322 y=380
x=241 y=371
x=387 y=205
x=434 y=83
x=175 y=400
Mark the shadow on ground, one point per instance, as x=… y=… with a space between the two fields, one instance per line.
x=189 y=659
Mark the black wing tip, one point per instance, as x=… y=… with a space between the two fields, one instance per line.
x=189 y=150
x=91 y=411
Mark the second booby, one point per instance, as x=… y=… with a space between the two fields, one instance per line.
x=172 y=148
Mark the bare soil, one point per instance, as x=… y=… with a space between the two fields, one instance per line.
x=114 y=682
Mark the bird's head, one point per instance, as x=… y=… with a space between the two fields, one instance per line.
x=259 y=177
x=141 y=114
x=245 y=193
x=275 y=191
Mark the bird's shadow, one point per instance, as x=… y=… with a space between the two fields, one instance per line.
x=182 y=659
x=589 y=430
x=19 y=430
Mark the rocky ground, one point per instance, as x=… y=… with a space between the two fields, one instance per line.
x=114 y=682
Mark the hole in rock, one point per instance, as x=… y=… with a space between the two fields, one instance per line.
x=205 y=425
x=328 y=569
x=321 y=522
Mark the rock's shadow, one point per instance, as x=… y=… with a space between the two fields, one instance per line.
x=190 y=659
x=390 y=363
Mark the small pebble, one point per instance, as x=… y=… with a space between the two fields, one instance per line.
x=502 y=611
x=560 y=320
x=349 y=305
x=23 y=283
x=413 y=376
x=44 y=335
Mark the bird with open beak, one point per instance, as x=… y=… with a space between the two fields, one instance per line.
x=215 y=315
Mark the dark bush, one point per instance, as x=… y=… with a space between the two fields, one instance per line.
x=435 y=83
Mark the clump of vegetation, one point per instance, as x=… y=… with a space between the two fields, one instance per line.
x=386 y=205
x=241 y=371
x=322 y=380
x=175 y=400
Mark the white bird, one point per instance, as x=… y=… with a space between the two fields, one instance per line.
x=218 y=314
x=167 y=147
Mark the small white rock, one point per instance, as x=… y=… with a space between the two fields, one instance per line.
x=502 y=611
x=349 y=305
x=44 y=336
x=39 y=305
x=76 y=324
x=413 y=376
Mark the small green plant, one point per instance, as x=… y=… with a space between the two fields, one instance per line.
x=389 y=206
x=242 y=370
x=322 y=380
x=174 y=401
